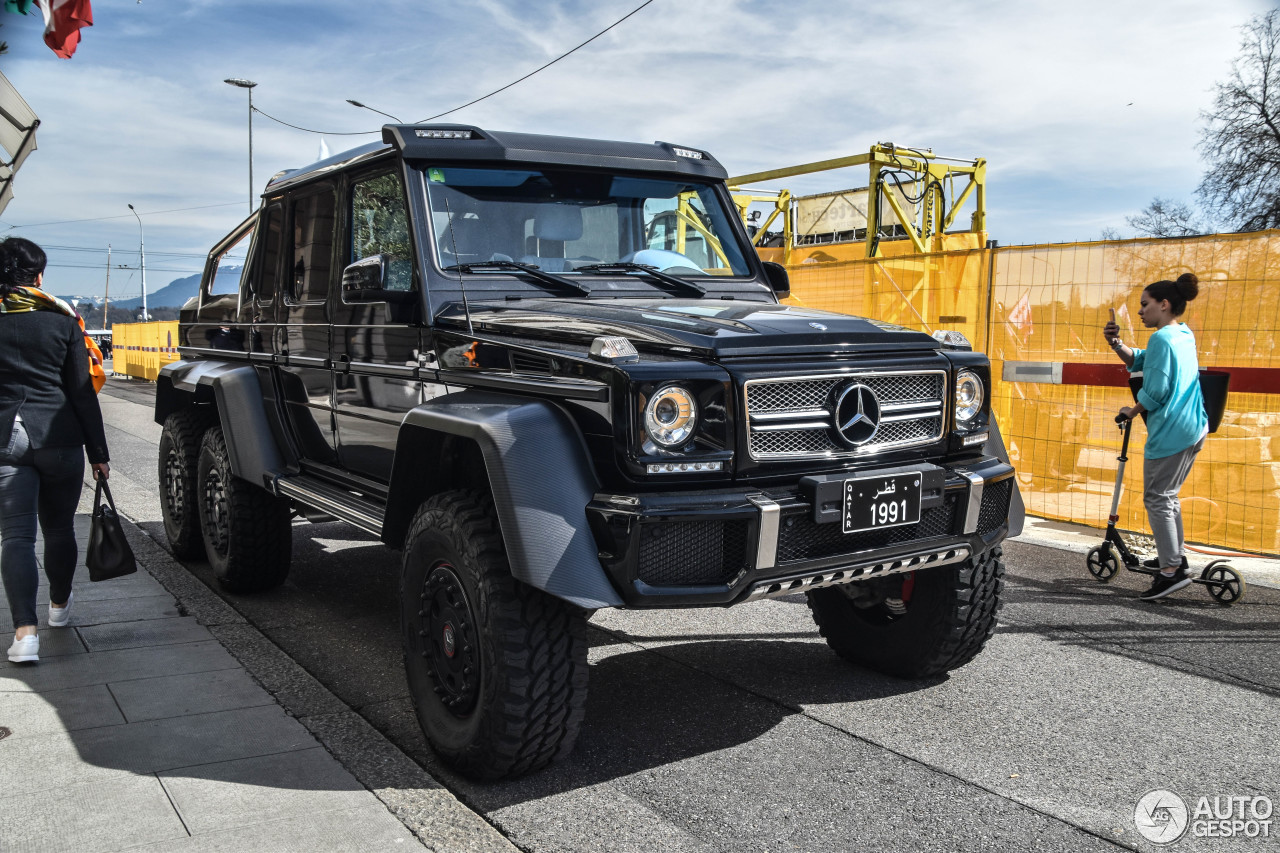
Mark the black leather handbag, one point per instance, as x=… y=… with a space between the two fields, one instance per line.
x=108 y=554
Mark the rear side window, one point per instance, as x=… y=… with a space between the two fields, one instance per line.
x=312 y=262
x=229 y=267
x=267 y=269
x=380 y=226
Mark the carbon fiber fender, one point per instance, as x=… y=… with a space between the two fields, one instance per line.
x=252 y=445
x=540 y=475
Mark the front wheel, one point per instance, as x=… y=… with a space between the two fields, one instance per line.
x=937 y=621
x=497 y=669
x=179 y=474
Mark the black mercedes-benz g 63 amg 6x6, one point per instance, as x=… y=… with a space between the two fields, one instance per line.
x=554 y=373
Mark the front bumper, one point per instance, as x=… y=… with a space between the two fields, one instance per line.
x=723 y=547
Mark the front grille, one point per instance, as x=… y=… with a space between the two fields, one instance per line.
x=793 y=417
x=687 y=553
x=800 y=538
x=995 y=506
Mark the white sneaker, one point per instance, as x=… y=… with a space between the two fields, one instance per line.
x=26 y=650
x=60 y=616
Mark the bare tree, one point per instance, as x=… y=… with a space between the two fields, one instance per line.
x=1240 y=141
x=1165 y=217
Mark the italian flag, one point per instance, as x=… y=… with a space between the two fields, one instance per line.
x=62 y=22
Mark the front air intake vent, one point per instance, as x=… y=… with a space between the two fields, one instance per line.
x=523 y=362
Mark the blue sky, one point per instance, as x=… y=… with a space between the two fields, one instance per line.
x=1084 y=111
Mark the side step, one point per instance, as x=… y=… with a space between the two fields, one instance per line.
x=334 y=500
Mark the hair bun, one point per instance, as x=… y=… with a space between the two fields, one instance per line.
x=1188 y=285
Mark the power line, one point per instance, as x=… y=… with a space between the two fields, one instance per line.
x=540 y=68
x=125 y=250
x=125 y=216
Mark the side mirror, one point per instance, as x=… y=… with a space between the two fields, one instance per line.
x=364 y=282
x=776 y=275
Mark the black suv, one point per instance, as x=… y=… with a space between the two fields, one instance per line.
x=554 y=374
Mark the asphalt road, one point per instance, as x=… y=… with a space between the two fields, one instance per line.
x=738 y=729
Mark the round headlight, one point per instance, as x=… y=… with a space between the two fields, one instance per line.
x=969 y=397
x=670 y=416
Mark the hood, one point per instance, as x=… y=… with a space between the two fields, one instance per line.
x=720 y=328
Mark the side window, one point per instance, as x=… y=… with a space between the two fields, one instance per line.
x=267 y=269
x=229 y=267
x=312 y=259
x=380 y=226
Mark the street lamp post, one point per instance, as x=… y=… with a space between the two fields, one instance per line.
x=142 y=255
x=247 y=84
x=371 y=109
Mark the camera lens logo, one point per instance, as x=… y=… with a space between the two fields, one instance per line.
x=1161 y=816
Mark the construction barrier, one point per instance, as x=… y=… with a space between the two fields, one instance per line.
x=1038 y=311
x=141 y=349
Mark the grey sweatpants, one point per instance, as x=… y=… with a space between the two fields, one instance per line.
x=1161 y=480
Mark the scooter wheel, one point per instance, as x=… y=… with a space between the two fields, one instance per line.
x=1103 y=563
x=1225 y=584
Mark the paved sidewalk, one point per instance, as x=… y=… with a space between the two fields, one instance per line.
x=160 y=720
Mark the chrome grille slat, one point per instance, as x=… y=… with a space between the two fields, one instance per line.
x=791 y=417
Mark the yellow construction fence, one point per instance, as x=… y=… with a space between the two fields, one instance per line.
x=1038 y=311
x=141 y=349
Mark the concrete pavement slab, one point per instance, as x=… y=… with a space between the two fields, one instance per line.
x=183 y=695
x=27 y=714
x=248 y=791
x=103 y=667
x=143 y=633
x=94 y=817
x=369 y=829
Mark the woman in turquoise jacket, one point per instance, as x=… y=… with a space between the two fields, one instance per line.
x=1176 y=423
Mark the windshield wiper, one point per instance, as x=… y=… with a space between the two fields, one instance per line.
x=649 y=270
x=515 y=266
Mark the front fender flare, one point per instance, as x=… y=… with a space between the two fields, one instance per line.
x=539 y=473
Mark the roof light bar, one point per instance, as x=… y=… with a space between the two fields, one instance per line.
x=686 y=152
x=443 y=134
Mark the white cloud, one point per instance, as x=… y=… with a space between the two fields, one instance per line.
x=1059 y=98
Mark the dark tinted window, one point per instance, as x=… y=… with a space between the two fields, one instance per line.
x=312 y=260
x=380 y=226
x=267 y=270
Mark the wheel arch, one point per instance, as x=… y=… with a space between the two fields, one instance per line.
x=257 y=451
x=534 y=463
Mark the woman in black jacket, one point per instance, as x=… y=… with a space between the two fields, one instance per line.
x=49 y=417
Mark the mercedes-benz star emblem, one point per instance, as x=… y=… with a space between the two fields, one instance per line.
x=819 y=327
x=857 y=414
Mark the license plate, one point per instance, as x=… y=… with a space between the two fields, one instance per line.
x=871 y=503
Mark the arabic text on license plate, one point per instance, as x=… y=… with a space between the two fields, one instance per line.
x=871 y=503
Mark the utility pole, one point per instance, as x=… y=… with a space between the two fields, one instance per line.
x=106 y=299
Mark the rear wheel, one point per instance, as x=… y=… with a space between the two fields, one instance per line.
x=937 y=621
x=246 y=530
x=179 y=463
x=497 y=669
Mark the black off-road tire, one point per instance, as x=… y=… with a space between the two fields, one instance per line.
x=951 y=615
x=178 y=468
x=497 y=669
x=246 y=531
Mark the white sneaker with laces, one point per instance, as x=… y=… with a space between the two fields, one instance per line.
x=60 y=616
x=26 y=650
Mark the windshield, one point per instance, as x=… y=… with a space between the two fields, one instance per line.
x=567 y=222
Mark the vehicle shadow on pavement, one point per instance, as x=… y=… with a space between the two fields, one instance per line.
x=648 y=709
